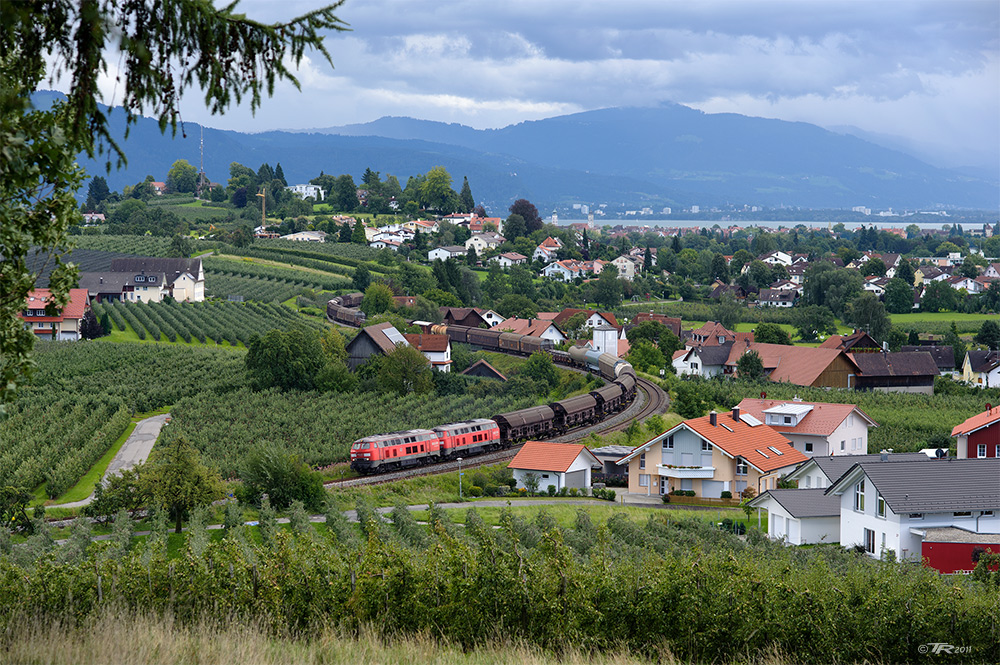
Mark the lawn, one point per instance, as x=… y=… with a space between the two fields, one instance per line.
x=939 y=317
x=790 y=329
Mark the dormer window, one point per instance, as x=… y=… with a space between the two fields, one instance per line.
x=140 y=278
x=788 y=420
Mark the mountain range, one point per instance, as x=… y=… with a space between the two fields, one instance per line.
x=664 y=156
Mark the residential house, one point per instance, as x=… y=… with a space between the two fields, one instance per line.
x=787 y=285
x=124 y=286
x=543 y=328
x=566 y=270
x=491 y=318
x=982 y=368
x=385 y=244
x=799 y=365
x=423 y=226
x=944 y=356
x=992 y=271
x=481 y=224
x=404 y=301
x=893 y=508
x=711 y=333
x=380 y=339
x=717 y=453
x=856 y=341
x=814 y=428
x=461 y=316
x=185 y=278
x=508 y=259
x=776 y=258
x=484 y=370
x=65 y=324
x=895 y=372
x=159 y=187
x=876 y=285
x=306 y=236
x=776 y=298
x=720 y=289
x=594 y=319
x=797 y=273
x=979 y=436
x=704 y=361
x=556 y=465
x=484 y=241
x=306 y=191
x=628 y=267
x=436 y=348
x=449 y=252
x=90 y=218
x=547 y=250
x=800 y=516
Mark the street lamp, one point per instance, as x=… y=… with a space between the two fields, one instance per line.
x=460 y=478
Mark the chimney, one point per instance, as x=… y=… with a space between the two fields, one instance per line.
x=713 y=418
x=102 y=281
x=736 y=413
x=884 y=455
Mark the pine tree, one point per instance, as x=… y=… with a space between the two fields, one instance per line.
x=465 y=196
x=358 y=235
x=280 y=175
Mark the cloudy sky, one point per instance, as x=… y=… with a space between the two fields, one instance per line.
x=928 y=72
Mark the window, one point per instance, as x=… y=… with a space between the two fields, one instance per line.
x=670 y=442
x=987 y=513
x=843 y=445
x=809 y=446
x=762 y=454
x=643 y=480
x=850 y=420
x=741 y=466
x=879 y=505
x=706 y=446
x=996 y=450
x=775 y=450
x=963 y=514
x=140 y=278
x=916 y=516
x=859 y=497
x=808 y=481
x=869 y=541
x=981 y=450
x=642 y=461
x=788 y=420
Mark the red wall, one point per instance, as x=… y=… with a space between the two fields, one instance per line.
x=952 y=557
x=988 y=435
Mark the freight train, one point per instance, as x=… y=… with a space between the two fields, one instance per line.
x=399 y=450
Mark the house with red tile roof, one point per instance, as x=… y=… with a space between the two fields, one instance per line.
x=436 y=348
x=979 y=436
x=595 y=319
x=547 y=250
x=673 y=323
x=814 y=428
x=543 y=328
x=858 y=339
x=720 y=452
x=557 y=464
x=61 y=325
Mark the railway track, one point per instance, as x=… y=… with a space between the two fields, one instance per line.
x=653 y=401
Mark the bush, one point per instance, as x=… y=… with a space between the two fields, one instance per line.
x=726 y=494
x=688 y=492
x=572 y=491
x=552 y=490
x=491 y=490
x=666 y=498
x=564 y=491
x=285 y=478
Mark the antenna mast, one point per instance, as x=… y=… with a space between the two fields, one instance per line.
x=263 y=205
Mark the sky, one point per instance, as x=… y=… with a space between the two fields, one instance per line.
x=927 y=72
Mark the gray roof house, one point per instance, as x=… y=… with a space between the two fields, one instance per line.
x=379 y=339
x=825 y=470
x=892 y=506
x=800 y=516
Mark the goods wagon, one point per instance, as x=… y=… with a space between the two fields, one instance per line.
x=609 y=398
x=525 y=424
x=574 y=411
x=510 y=341
x=488 y=339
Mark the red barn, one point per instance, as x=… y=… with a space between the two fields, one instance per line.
x=950 y=550
x=979 y=436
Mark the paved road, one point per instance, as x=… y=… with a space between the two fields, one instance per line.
x=135 y=450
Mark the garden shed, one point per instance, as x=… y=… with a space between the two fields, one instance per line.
x=558 y=464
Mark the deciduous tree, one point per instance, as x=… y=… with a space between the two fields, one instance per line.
x=405 y=370
x=178 y=480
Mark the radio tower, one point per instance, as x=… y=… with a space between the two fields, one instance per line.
x=202 y=179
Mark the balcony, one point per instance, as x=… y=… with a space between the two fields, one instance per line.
x=683 y=472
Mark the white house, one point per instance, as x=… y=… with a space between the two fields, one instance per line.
x=508 y=259
x=492 y=318
x=705 y=361
x=558 y=464
x=815 y=428
x=484 y=241
x=305 y=191
x=306 y=236
x=565 y=270
x=547 y=250
x=627 y=267
x=385 y=244
x=800 y=516
x=777 y=258
x=890 y=507
x=436 y=348
x=445 y=253
x=981 y=368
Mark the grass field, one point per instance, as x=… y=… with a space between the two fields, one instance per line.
x=939 y=317
x=790 y=329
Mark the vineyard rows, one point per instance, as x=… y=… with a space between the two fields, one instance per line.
x=217 y=321
x=83 y=395
x=247 y=269
x=134 y=245
x=221 y=285
x=319 y=427
x=309 y=259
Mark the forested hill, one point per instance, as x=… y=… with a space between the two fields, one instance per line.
x=665 y=156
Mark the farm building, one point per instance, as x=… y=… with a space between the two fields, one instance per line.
x=896 y=372
x=374 y=340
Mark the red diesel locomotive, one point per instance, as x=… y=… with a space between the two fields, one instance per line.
x=416 y=447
